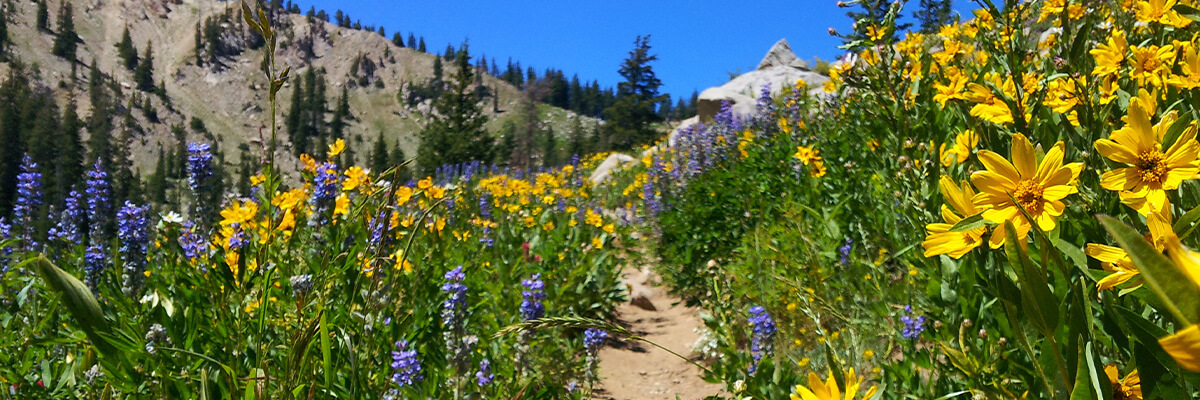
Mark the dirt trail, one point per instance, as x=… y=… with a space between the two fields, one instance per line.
x=638 y=371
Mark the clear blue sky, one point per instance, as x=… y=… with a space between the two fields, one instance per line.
x=698 y=42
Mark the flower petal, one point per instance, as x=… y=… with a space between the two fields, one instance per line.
x=1023 y=156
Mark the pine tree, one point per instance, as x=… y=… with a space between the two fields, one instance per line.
x=397 y=39
x=550 y=157
x=396 y=159
x=3 y=32
x=43 y=16
x=340 y=114
x=66 y=41
x=199 y=46
x=69 y=166
x=412 y=40
x=456 y=134
x=13 y=93
x=156 y=187
x=933 y=14
x=127 y=52
x=629 y=119
x=576 y=142
x=421 y=45
x=508 y=143
x=143 y=75
x=99 y=123
x=872 y=13
x=379 y=155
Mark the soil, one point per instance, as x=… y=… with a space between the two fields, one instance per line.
x=639 y=371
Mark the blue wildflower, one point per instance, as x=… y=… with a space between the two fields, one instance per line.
x=70 y=224
x=912 y=326
x=456 y=304
x=6 y=252
x=485 y=376
x=593 y=337
x=192 y=242
x=29 y=197
x=763 y=328
x=133 y=232
x=407 y=367
x=199 y=165
x=94 y=263
x=531 y=306
x=325 y=192
x=98 y=194
x=844 y=252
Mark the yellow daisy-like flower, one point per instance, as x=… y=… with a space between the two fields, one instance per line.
x=1160 y=11
x=1129 y=388
x=355 y=177
x=403 y=195
x=1189 y=77
x=1110 y=55
x=336 y=148
x=341 y=206
x=239 y=213
x=829 y=390
x=1150 y=63
x=954 y=244
x=1117 y=261
x=310 y=165
x=1039 y=189
x=988 y=105
x=963 y=144
x=1152 y=169
x=425 y=183
x=1184 y=345
x=257 y=179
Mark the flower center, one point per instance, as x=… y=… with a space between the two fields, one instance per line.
x=1151 y=166
x=1029 y=195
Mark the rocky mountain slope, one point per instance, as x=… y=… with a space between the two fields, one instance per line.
x=231 y=98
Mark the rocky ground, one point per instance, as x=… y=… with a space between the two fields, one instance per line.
x=639 y=371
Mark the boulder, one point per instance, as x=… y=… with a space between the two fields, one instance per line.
x=781 y=55
x=604 y=171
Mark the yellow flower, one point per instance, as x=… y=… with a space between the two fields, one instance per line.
x=952 y=90
x=1184 y=347
x=1062 y=95
x=1109 y=56
x=958 y=201
x=829 y=390
x=1129 y=388
x=1152 y=170
x=592 y=218
x=548 y=226
x=530 y=222
x=817 y=169
x=288 y=200
x=1039 y=189
x=1160 y=11
x=435 y=192
x=1149 y=63
x=1108 y=89
x=403 y=195
x=963 y=144
x=610 y=228
x=868 y=354
x=257 y=179
x=1190 y=68
x=597 y=243
x=988 y=105
x=354 y=178
x=336 y=148
x=425 y=183
x=341 y=206
x=310 y=165
x=875 y=33
x=239 y=213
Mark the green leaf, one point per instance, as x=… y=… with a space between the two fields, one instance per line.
x=1086 y=382
x=1187 y=11
x=326 y=358
x=1038 y=302
x=80 y=302
x=248 y=15
x=1180 y=296
x=1175 y=130
x=970 y=223
x=1184 y=226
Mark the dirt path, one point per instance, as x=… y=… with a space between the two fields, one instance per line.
x=638 y=371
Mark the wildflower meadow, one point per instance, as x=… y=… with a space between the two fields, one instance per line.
x=1002 y=209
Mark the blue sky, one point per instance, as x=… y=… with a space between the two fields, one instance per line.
x=699 y=43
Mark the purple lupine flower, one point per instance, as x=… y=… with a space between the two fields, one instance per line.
x=485 y=376
x=407 y=367
x=593 y=337
x=763 y=328
x=238 y=239
x=192 y=242
x=325 y=192
x=70 y=223
x=29 y=197
x=844 y=252
x=534 y=293
x=98 y=194
x=199 y=165
x=912 y=326
x=94 y=264
x=133 y=232
x=485 y=213
x=455 y=305
x=6 y=252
